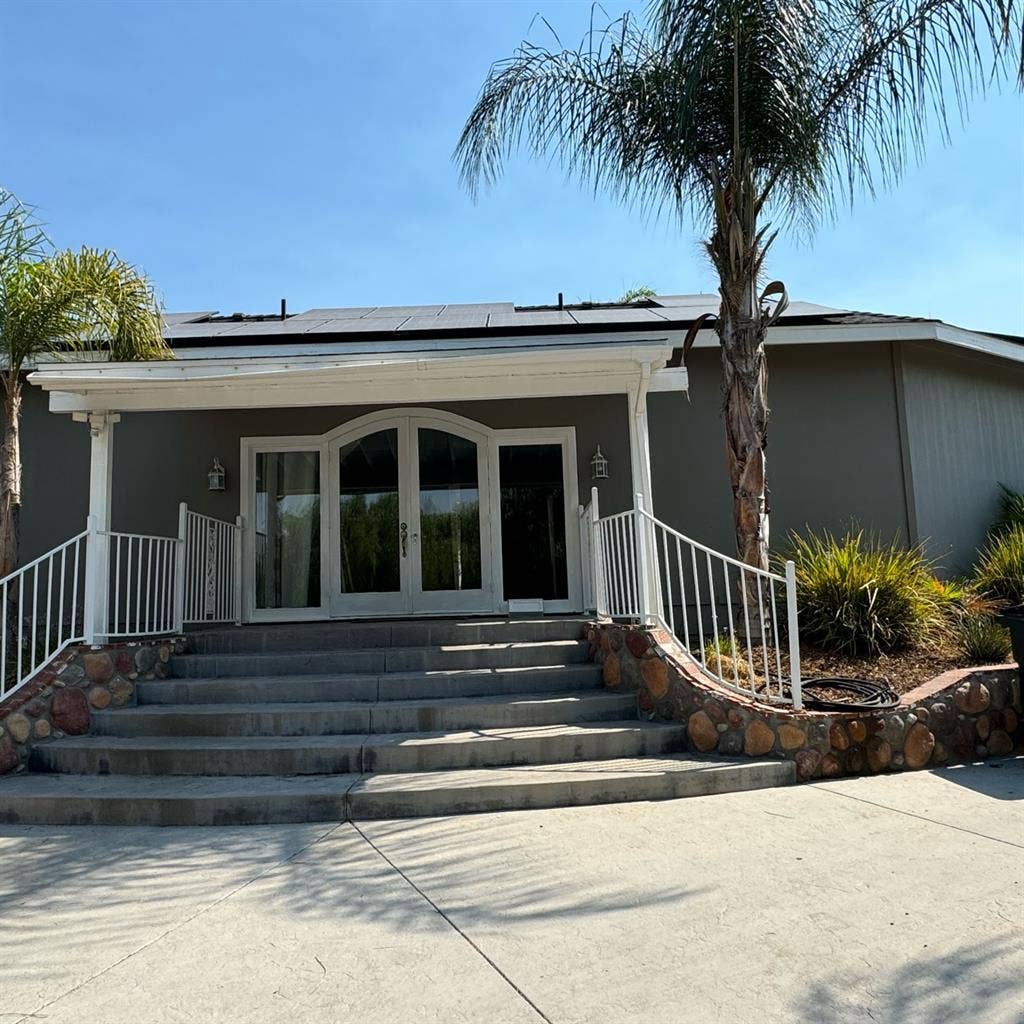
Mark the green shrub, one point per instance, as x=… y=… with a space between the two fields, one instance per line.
x=721 y=647
x=1010 y=513
x=1000 y=569
x=960 y=599
x=983 y=641
x=857 y=595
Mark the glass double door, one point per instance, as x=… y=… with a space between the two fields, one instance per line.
x=409 y=523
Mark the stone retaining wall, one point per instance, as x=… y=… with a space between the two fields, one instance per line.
x=964 y=715
x=61 y=699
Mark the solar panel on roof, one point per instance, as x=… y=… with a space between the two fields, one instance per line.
x=184 y=318
x=615 y=316
x=405 y=311
x=264 y=327
x=537 y=318
x=446 y=322
x=203 y=330
x=479 y=307
x=334 y=313
x=364 y=325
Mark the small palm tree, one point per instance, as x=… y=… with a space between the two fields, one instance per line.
x=739 y=112
x=52 y=305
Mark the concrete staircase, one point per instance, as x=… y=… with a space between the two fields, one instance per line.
x=330 y=721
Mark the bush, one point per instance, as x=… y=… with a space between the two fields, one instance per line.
x=1000 y=569
x=857 y=595
x=1010 y=513
x=983 y=641
x=721 y=647
x=960 y=599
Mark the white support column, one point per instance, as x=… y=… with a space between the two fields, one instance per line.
x=639 y=438
x=640 y=455
x=179 y=568
x=97 y=552
x=597 y=557
x=239 y=536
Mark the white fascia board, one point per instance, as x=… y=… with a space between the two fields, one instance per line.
x=911 y=331
x=173 y=385
x=390 y=349
x=613 y=348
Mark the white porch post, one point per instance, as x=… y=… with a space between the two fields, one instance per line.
x=640 y=457
x=97 y=551
x=597 y=557
x=179 y=567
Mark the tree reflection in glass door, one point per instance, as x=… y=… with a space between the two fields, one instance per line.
x=449 y=502
x=369 y=514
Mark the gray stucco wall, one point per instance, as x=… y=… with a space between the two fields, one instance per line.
x=839 y=439
x=162 y=458
x=965 y=433
x=833 y=445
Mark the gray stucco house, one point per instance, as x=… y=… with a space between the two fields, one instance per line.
x=347 y=563
x=336 y=419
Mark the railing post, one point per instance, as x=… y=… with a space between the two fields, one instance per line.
x=97 y=580
x=643 y=564
x=597 y=557
x=237 y=574
x=793 y=630
x=179 y=568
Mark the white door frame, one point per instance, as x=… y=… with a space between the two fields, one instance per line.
x=412 y=600
x=247 y=501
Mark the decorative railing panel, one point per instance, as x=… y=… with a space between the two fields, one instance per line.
x=211 y=568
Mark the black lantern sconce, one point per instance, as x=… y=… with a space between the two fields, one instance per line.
x=217 y=476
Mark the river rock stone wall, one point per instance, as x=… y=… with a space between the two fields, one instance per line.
x=61 y=699
x=963 y=715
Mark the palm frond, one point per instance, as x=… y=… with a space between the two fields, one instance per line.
x=21 y=236
x=78 y=301
x=820 y=98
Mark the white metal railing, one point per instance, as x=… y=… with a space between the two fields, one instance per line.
x=143 y=572
x=210 y=567
x=42 y=606
x=736 y=622
x=104 y=584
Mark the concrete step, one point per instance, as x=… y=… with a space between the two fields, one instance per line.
x=329 y=755
x=423 y=794
x=339 y=717
x=376 y=661
x=394 y=686
x=519 y=745
x=179 y=800
x=307 y=636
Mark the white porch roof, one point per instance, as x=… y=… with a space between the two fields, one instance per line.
x=339 y=373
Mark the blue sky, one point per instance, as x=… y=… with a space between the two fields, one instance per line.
x=245 y=152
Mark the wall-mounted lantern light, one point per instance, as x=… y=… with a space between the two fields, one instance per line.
x=217 y=476
x=598 y=466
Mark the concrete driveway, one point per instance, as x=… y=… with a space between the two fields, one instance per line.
x=894 y=899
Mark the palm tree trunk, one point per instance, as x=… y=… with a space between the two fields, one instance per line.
x=10 y=476
x=745 y=408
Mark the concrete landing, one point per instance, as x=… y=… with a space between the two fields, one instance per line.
x=263 y=799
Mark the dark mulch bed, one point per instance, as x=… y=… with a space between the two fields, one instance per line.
x=902 y=671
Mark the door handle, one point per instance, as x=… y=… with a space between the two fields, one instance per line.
x=404 y=532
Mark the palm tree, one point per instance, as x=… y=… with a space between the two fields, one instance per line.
x=53 y=304
x=738 y=112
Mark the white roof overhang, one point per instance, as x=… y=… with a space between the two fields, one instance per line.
x=916 y=330
x=240 y=378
